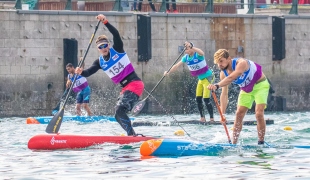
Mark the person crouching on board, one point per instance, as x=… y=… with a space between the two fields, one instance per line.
x=197 y=65
x=115 y=62
x=254 y=87
x=80 y=87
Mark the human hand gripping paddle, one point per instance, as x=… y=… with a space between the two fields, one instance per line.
x=55 y=123
x=221 y=114
x=139 y=106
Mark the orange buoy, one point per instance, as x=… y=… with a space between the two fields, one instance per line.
x=31 y=120
x=149 y=146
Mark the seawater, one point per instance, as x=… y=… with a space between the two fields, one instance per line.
x=110 y=161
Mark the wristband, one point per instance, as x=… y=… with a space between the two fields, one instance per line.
x=105 y=21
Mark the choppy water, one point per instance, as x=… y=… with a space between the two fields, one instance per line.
x=113 y=161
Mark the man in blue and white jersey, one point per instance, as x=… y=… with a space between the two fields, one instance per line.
x=80 y=87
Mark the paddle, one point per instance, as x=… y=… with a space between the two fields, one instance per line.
x=54 y=124
x=221 y=114
x=56 y=109
x=139 y=106
x=165 y=110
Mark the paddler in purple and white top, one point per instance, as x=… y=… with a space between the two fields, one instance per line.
x=80 y=87
x=198 y=67
x=115 y=62
x=254 y=87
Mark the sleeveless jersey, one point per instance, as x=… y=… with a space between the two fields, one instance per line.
x=196 y=66
x=117 y=67
x=248 y=79
x=80 y=83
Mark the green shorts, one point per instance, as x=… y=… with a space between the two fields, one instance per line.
x=202 y=87
x=259 y=94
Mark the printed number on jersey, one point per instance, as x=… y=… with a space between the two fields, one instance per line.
x=77 y=83
x=194 y=67
x=117 y=68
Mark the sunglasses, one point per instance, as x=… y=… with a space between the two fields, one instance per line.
x=102 y=46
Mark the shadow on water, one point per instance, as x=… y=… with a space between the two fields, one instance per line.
x=124 y=153
x=263 y=155
x=263 y=164
x=261 y=159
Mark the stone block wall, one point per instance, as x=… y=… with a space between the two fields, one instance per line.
x=31 y=57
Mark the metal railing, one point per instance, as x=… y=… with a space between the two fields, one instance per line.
x=183 y=6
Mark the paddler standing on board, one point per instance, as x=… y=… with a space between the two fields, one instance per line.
x=254 y=87
x=115 y=62
x=195 y=60
x=80 y=87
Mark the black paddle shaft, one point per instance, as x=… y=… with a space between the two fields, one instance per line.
x=80 y=64
x=149 y=94
x=58 y=104
x=165 y=110
x=139 y=106
x=55 y=123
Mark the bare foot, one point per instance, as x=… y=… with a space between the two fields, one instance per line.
x=203 y=119
x=212 y=120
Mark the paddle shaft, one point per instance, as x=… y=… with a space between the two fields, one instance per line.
x=221 y=114
x=80 y=64
x=149 y=93
x=168 y=113
x=139 y=106
x=58 y=104
x=55 y=123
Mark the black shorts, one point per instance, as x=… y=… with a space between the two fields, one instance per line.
x=128 y=99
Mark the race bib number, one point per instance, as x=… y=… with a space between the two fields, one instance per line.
x=116 y=68
x=77 y=83
x=194 y=67
x=197 y=66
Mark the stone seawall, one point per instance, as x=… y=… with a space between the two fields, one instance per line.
x=31 y=57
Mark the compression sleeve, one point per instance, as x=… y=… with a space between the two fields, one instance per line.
x=92 y=69
x=118 y=43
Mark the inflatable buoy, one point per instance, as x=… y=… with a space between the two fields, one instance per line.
x=287 y=128
x=31 y=120
x=179 y=133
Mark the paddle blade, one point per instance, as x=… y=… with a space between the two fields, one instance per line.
x=54 y=125
x=138 y=108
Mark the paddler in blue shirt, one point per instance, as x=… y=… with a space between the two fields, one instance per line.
x=115 y=62
x=80 y=87
x=254 y=87
x=198 y=67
